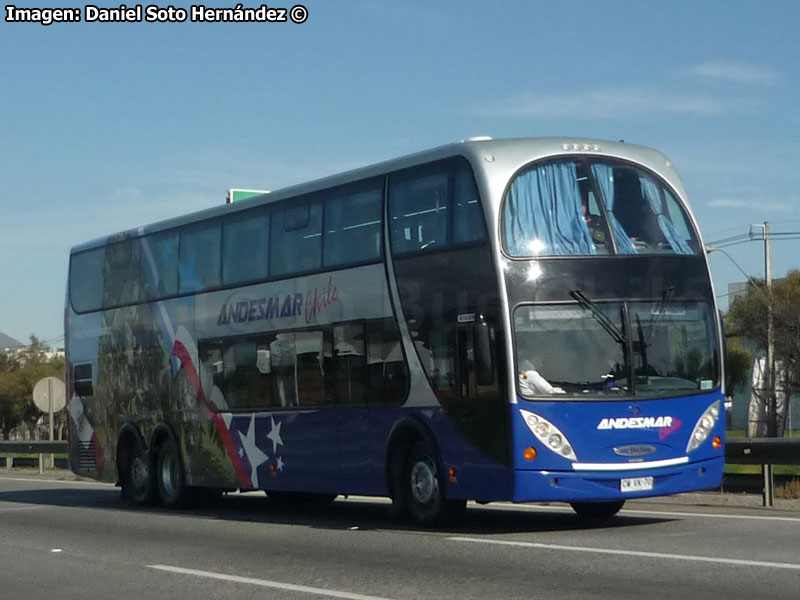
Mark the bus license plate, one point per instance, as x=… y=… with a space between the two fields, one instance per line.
x=636 y=484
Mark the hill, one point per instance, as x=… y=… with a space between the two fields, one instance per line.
x=8 y=342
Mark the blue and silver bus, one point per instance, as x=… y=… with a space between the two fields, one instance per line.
x=519 y=320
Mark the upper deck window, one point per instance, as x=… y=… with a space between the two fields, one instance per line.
x=582 y=207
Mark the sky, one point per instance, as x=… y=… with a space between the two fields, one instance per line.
x=108 y=126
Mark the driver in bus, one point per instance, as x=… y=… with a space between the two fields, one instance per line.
x=531 y=382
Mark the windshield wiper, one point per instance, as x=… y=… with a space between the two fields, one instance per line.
x=642 y=347
x=666 y=299
x=600 y=317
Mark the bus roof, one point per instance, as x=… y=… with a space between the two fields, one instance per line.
x=504 y=154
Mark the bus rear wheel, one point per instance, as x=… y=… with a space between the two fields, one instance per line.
x=170 y=475
x=425 y=498
x=136 y=474
x=597 y=510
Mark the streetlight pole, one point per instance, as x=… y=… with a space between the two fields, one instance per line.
x=769 y=379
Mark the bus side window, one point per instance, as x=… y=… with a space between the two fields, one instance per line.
x=349 y=365
x=353 y=226
x=388 y=377
x=86 y=280
x=245 y=250
x=418 y=212
x=122 y=277
x=199 y=262
x=160 y=264
x=296 y=237
x=468 y=223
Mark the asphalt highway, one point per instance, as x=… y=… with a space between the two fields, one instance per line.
x=64 y=540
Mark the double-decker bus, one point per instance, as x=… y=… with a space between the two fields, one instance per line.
x=522 y=319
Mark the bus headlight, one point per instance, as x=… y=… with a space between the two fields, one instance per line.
x=703 y=427
x=549 y=435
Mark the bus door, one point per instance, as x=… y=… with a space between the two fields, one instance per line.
x=479 y=410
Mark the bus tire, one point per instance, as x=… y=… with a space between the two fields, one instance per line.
x=597 y=510
x=424 y=494
x=136 y=473
x=170 y=476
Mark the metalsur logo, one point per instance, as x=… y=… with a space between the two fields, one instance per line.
x=634 y=450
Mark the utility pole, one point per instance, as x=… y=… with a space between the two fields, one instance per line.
x=769 y=379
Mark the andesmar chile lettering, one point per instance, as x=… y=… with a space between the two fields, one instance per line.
x=635 y=423
x=280 y=306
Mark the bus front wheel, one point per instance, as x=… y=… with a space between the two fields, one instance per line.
x=170 y=474
x=425 y=497
x=597 y=510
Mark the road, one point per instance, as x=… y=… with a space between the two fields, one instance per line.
x=64 y=540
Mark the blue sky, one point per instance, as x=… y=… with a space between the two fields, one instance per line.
x=104 y=127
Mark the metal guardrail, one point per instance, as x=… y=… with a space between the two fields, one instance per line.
x=33 y=447
x=40 y=447
x=765 y=452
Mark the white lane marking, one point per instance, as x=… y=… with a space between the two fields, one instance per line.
x=636 y=553
x=636 y=511
x=265 y=583
x=21 y=508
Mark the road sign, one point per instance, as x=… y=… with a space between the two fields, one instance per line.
x=47 y=389
x=235 y=195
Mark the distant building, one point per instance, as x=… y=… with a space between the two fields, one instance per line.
x=739 y=289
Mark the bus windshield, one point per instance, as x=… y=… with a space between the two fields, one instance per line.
x=585 y=207
x=643 y=349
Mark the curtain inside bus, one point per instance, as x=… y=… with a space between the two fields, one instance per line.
x=544 y=214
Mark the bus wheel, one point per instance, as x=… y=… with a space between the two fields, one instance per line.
x=597 y=510
x=425 y=496
x=169 y=474
x=136 y=474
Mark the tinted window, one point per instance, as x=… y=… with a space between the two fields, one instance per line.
x=160 y=264
x=296 y=243
x=245 y=252
x=241 y=370
x=353 y=227
x=122 y=280
x=199 y=263
x=86 y=280
x=468 y=222
x=418 y=208
x=349 y=364
x=388 y=377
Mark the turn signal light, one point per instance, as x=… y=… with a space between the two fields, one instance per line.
x=530 y=453
x=716 y=442
x=452 y=475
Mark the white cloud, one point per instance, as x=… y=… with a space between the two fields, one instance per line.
x=736 y=72
x=608 y=103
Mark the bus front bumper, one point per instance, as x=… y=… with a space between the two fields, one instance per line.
x=572 y=486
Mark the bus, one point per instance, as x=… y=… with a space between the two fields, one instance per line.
x=519 y=320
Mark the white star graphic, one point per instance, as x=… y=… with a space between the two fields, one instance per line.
x=280 y=464
x=275 y=435
x=254 y=453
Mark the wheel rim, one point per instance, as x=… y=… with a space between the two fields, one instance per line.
x=424 y=483
x=169 y=475
x=140 y=473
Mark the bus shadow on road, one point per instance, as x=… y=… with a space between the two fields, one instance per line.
x=354 y=513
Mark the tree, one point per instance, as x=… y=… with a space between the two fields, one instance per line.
x=13 y=387
x=17 y=379
x=738 y=365
x=748 y=319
